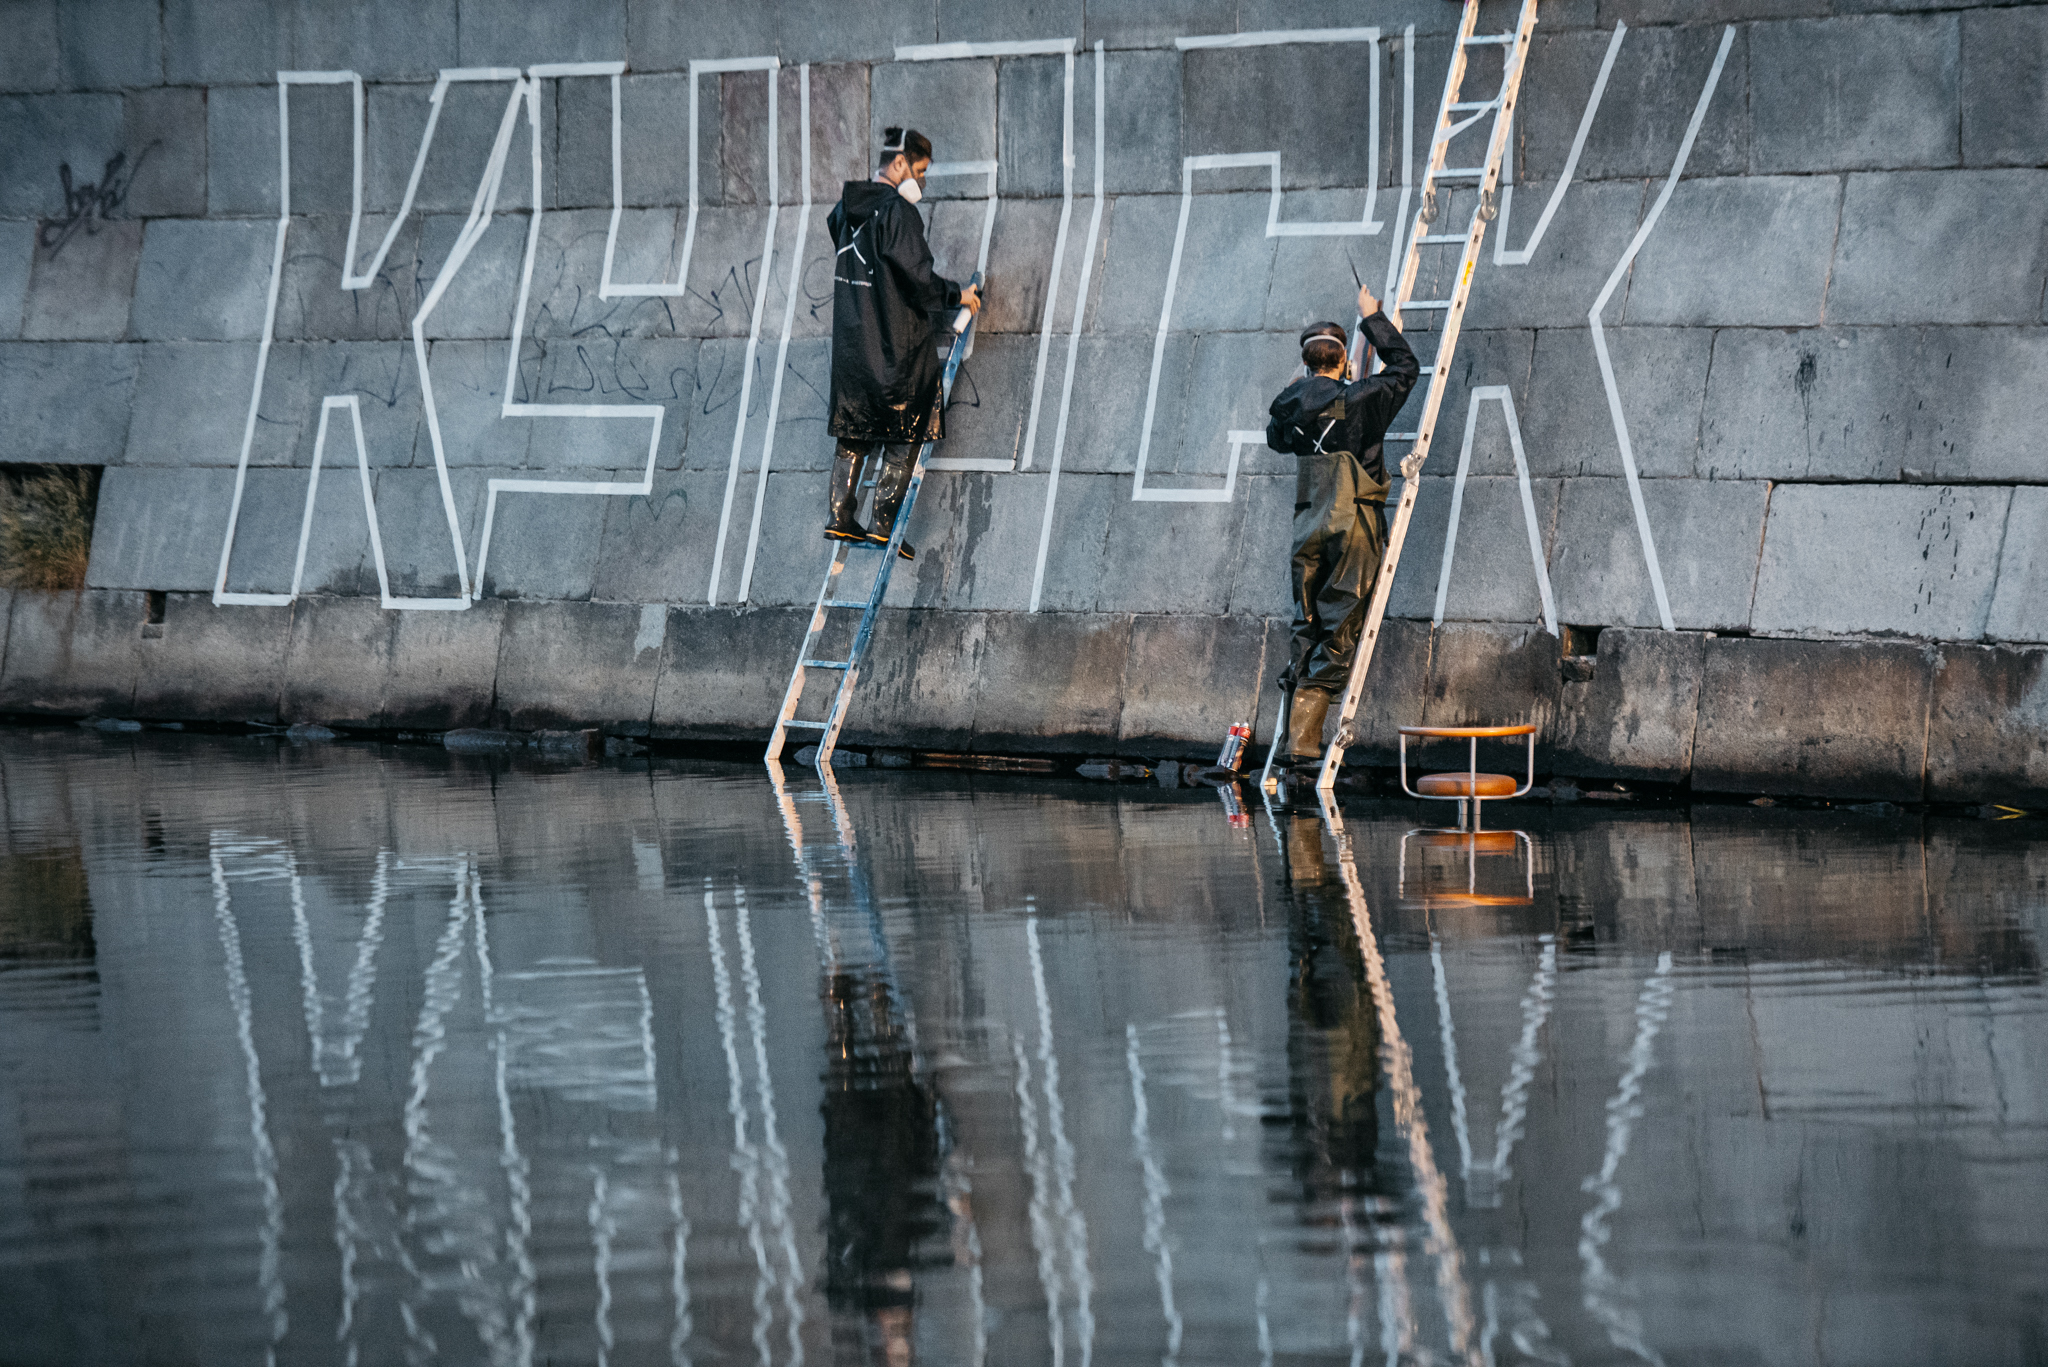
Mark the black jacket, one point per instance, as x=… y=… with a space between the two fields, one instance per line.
x=886 y=365
x=1305 y=417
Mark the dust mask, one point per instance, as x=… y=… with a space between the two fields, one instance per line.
x=910 y=189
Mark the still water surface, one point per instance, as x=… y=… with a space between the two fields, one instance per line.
x=378 y=1056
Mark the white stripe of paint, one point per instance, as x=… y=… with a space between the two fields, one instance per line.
x=1628 y=455
x=1501 y=255
x=1273 y=37
x=941 y=52
x=1481 y=394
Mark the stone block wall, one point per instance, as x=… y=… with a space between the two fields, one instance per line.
x=1829 y=354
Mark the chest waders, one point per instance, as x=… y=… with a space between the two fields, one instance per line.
x=1340 y=537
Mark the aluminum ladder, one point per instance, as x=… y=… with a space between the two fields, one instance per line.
x=870 y=607
x=1455 y=115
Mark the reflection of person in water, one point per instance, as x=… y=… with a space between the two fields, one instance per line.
x=1332 y=1029
x=881 y=1172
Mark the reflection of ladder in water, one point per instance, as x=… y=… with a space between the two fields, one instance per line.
x=870 y=607
x=1455 y=115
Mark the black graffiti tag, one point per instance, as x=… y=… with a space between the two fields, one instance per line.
x=88 y=205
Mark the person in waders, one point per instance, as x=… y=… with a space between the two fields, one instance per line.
x=886 y=361
x=1334 y=424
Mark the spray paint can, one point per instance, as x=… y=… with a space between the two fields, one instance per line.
x=1233 y=747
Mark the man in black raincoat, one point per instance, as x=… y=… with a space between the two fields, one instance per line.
x=1335 y=425
x=886 y=364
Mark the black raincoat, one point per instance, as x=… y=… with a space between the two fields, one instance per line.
x=886 y=366
x=1340 y=501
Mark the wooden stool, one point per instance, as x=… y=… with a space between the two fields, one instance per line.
x=1468 y=785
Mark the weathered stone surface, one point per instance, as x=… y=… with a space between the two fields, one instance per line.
x=1707 y=534
x=1742 y=251
x=66 y=401
x=206 y=281
x=951 y=102
x=1827 y=719
x=1266 y=110
x=670 y=37
x=81 y=288
x=469 y=383
x=383 y=39
x=656 y=549
x=966 y=19
x=1130 y=275
x=1656 y=78
x=1316 y=278
x=1260 y=576
x=1492 y=575
x=221 y=42
x=850 y=30
x=996 y=548
x=212 y=664
x=338 y=559
x=1939 y=247
x=2005 y=86
x=241 y=136
x=192 y=401
x=164 y=134
x=1188 y=680
x=1868 y=93
x=919 y=684
x=1567 y=427
x=1031 y=109
x=493 y=34
x=544 y=545
x=577 y=664
x=1980 y=404
x=654 y=153
x=1825 y=404
x=17 y=253
x=161 y=529
x=1915 y=560
x=311 y=302
x=383 y=379
x=1493 y=675
x=29 y=61
x=73 y=653
x=1587 y=235
x=337 y=661
x=471 y=112
x=568 y=269
x=443 y=668
x=1636 y=716
x=480 y=297
x=412 y=521
x=1987 y=737
x=107 y=44
x=38 y=134
x=1128 y=23
x=724 y=671
x=602 y=370
x=792 y=556
x=1166 y=557
x=1044 y=681
x=2019 y=605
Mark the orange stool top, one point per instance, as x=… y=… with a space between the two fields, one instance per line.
x=1466 y=785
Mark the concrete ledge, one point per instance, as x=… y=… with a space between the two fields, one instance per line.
x=206 y=663
x=1844 y=719
x=1987 y=737
x=349 y=660
x=71 y=654
x=1636 y=716
x=573 y=665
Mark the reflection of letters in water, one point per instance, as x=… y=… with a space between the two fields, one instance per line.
x=87 y=205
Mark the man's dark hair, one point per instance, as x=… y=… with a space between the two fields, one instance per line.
x=906 y=142
x=1323 y=346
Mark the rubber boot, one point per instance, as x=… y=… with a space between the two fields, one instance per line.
x=845 y=499
x=890 y=487
x=1305 y=726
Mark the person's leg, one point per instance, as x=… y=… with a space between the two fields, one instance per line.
x=890 y=486
x=1344 y=597
x=1314 y=559
x=843 y=510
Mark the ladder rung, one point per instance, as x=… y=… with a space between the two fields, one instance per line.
x=807 y=725
x=845 y=603
x=1463 y=173
x=1475 y=104
x=1401 y=436
x=1440 y=237
x=1439 y=304
x=1485 y=39
x=1426 y=370
x=826 y=664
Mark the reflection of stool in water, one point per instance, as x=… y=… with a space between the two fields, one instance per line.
x=1473 y=844
x=1469 y=785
